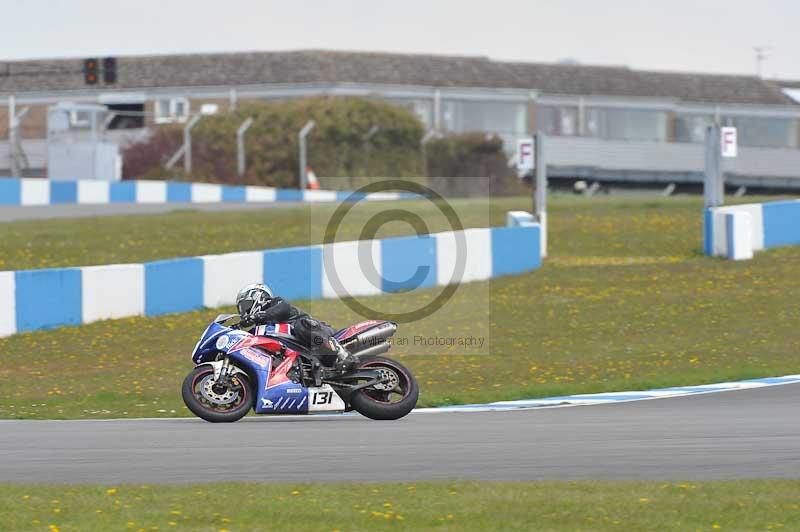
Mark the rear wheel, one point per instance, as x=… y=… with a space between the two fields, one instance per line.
x=392 y=400
x=215 y=402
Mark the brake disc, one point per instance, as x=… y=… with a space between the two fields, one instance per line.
x=207 y=391
x=391 y=378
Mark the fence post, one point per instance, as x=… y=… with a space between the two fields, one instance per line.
x=187 y=144
x=713 y=180
x=12 y=136
x=425 y=139
x=14 y=144
x=240 y=156
x=301 y=137
x=541 y=189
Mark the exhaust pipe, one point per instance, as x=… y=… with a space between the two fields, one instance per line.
x=373 y=351
x=371 y=338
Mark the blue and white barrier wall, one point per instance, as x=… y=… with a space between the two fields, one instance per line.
x=41 y=299
x=31 y=191
x=737 y=231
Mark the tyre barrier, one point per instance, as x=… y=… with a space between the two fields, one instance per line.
x=37 y=191
x=737 y=231
x=47 y=298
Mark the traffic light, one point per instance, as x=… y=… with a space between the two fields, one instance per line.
x=110 y=70
x=90 y=71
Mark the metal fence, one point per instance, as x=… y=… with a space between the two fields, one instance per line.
x=569 y=157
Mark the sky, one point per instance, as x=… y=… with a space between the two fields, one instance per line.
x=680 y=35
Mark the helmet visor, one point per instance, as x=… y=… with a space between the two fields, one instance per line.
x=245 y=306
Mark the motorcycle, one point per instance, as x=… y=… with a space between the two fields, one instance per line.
x=271 y=372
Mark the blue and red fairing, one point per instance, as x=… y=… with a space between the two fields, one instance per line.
x=275 y=392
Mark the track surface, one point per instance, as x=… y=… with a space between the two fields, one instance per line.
x=742 y=434
x=47 y=212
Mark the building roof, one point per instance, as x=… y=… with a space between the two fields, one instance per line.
x=313 y=66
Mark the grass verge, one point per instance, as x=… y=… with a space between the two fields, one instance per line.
x=581 y=227
x=625 y=301
x=585 y=505
x=183 y=233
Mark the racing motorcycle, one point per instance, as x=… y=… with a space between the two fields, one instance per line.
x=271 y=372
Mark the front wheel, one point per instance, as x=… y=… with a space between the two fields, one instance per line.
x=392 y=400
x=215 y=402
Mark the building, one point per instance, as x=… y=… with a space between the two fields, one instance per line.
x=602 y=122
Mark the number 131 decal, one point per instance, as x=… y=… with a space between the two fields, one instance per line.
x=322 y=398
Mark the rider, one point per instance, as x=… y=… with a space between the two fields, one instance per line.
x=257 y=306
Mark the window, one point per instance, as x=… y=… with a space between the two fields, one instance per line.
x=625 y=124
x=557 y=120
x=752 y=130
x=764 y=132
x=692 y=128
x=493 y=117
x=168 y=110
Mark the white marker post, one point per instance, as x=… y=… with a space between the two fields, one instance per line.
x=713 y=183
x=530 y=158
x=541 y=190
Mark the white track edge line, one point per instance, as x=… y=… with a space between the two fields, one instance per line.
x=508 y=406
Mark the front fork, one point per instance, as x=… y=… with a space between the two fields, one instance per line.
x=222 y=370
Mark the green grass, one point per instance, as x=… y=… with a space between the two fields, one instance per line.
x=584 y=505
x=625 y=301
x=133 y=239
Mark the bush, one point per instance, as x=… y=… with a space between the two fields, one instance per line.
x=470 y=164
x=336 y=146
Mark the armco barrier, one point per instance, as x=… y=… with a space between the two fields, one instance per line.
x=737 y=231
x=30 y=192
x=41 y=299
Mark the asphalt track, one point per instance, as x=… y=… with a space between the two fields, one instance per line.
x=741 y=434
x=48 y=212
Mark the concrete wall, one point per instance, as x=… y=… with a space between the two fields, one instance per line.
x=36 y=191
x=737 y=231
x=42 y=299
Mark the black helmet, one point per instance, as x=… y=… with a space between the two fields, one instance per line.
x=253 y=298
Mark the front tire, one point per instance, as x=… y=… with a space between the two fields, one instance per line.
x=380 y=402
x=225 y=405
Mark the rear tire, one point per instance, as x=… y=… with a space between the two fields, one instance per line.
x=240 y=407
x=376 y=404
